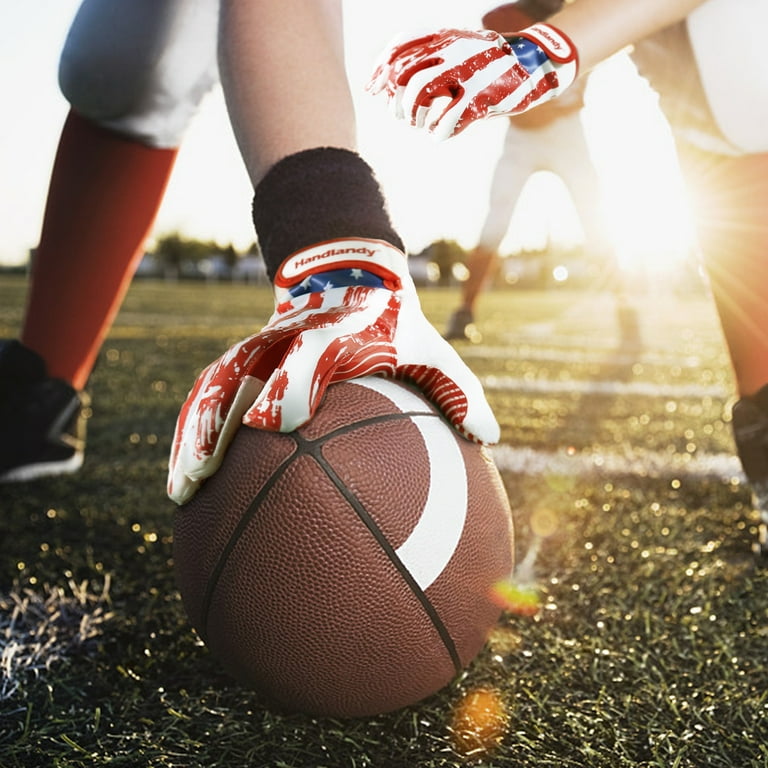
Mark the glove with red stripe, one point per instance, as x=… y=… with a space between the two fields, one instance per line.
x=344 y=309
x=447 y=80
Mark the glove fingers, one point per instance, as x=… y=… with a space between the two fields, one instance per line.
x=294 y=391
x=446 y=379
x=414 y=101
x=188 y=467
x=316 y=358
x=389 y=66
x=213 y=408
x=462 y=402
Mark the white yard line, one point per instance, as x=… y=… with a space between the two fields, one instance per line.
x=603 y=387
x=657 y=464
x=611 y=356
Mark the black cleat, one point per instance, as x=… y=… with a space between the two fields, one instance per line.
x=462 y=326
x=750 y=430
x=42 y=419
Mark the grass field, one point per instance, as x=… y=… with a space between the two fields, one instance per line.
x=649 y=647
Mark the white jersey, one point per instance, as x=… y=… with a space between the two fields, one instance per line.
x=141 y=67
x=728 y=41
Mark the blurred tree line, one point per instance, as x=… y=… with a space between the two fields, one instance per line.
x=441 y=263
x=175 y=256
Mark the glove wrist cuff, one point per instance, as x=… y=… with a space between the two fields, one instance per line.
x=376 y=256
x=559 y=49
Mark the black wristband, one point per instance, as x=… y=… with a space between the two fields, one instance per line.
x=318 y=195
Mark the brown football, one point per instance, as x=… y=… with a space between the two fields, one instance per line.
x=345 y=569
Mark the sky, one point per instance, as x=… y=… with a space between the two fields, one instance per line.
x=435 y=189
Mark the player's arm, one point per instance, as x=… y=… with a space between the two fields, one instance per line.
x=345 y=305
x=445 y=81
x=600 y=28
x=282 y=72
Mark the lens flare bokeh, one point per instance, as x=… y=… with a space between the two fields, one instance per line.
x=480 y=720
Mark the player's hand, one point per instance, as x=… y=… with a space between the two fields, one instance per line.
x=344 y=309
x=446 y=80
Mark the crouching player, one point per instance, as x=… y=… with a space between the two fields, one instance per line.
x=705 y=59
x=345 y=305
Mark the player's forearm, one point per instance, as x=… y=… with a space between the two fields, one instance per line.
x=282 y=69
x=600 y=28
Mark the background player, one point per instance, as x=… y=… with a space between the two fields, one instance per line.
x=548 y=138
x=717 y=104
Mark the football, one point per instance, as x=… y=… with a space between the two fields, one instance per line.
x=347 y=568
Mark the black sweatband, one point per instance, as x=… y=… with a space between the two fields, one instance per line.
x=318 y=195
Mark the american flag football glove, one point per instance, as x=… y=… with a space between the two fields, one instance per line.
x=343 y=309
x=447 y=80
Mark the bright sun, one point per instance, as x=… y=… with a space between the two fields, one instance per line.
x=644 y=206
x=644 y=199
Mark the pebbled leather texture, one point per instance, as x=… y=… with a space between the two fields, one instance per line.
x=287 y=558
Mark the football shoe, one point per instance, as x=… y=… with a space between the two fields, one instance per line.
x=750 y=431
x=461 y=325
x=42 y=419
